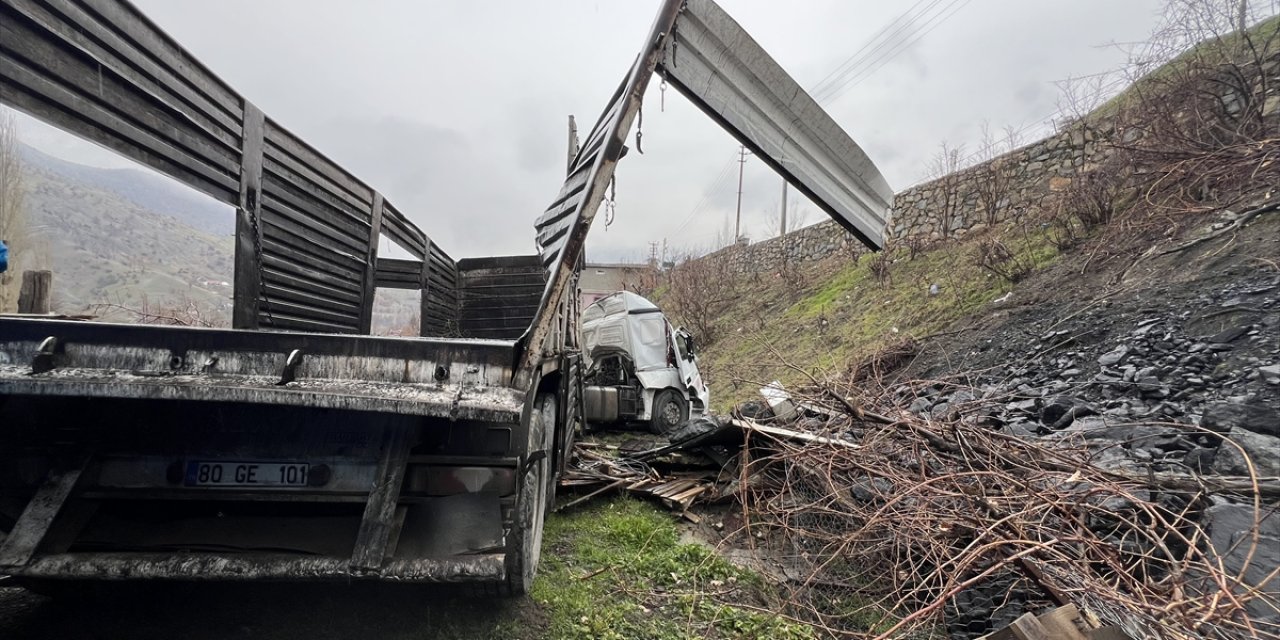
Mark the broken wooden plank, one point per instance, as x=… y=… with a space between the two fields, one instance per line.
x=1028 y=627
x=1064 y=623
x=788 y=434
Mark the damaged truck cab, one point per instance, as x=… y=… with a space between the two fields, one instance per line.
x=295 y=446
x=639 y=367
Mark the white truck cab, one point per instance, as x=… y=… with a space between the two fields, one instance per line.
x=640 y=368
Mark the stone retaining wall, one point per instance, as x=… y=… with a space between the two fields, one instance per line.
x=1029 y=175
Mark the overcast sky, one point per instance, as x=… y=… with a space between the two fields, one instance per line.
x=456 y=110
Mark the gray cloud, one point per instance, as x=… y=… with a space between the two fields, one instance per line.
x=456 y=110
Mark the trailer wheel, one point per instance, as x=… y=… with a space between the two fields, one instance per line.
x=669 y=411
x=531 y=504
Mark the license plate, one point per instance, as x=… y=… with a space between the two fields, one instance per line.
x=246 y=474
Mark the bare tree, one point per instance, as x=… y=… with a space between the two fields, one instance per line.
x=944 y=167
x=993 y=178
x=699 y=291
x=1201 y=113
x=13 y=219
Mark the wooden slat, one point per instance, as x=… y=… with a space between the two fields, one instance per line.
x=1028 y=627
x=277 y=294
x=125 y=18
x=307 y=197
x=316 y=230
x=288 y=149
x=217 y=114
x=302 y=280
x=67 y=107
x=281 y=259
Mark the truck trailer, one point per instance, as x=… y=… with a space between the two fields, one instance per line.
x=295 y=446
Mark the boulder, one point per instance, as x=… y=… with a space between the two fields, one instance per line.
x=1230 y=529
x=1222 y=417
x=1263 y=450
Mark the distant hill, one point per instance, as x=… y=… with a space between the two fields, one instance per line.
x=144 y=189
x=128 y=239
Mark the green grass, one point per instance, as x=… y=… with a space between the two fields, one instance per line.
x=617 y=569
x=845 y=314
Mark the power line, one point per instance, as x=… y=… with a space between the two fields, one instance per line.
x=843 y=66
x=954 y=6
x=720 y=180
x=894 y=37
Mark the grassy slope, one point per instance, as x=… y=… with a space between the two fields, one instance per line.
x=844 y=313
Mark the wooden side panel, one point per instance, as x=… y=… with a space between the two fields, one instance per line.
x=498 y=297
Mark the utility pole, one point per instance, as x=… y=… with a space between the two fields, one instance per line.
x=783 y=232
x=1243 y=17
x=742 y=163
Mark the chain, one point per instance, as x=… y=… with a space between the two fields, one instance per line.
x=639 y=127
x=610 y=203
x=254 y=210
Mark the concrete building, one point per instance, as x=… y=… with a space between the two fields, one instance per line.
x=599 y=279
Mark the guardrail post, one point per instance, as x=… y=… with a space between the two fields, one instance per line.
x=36 y=292
x=248 y=256
x=370 y=288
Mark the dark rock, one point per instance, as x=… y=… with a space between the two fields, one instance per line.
x=1222 y=417
x=920 y=405
x=755 y=410
x=1114 y=356
x=1027 y=406
x=1229 y=334
x=1263 y=450
x=1230 y=528
x=1199 y=459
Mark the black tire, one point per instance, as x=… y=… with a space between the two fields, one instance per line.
x=525 y=543
x=669 y=411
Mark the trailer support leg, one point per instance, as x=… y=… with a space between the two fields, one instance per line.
x=376 y=528
x=38 y=517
